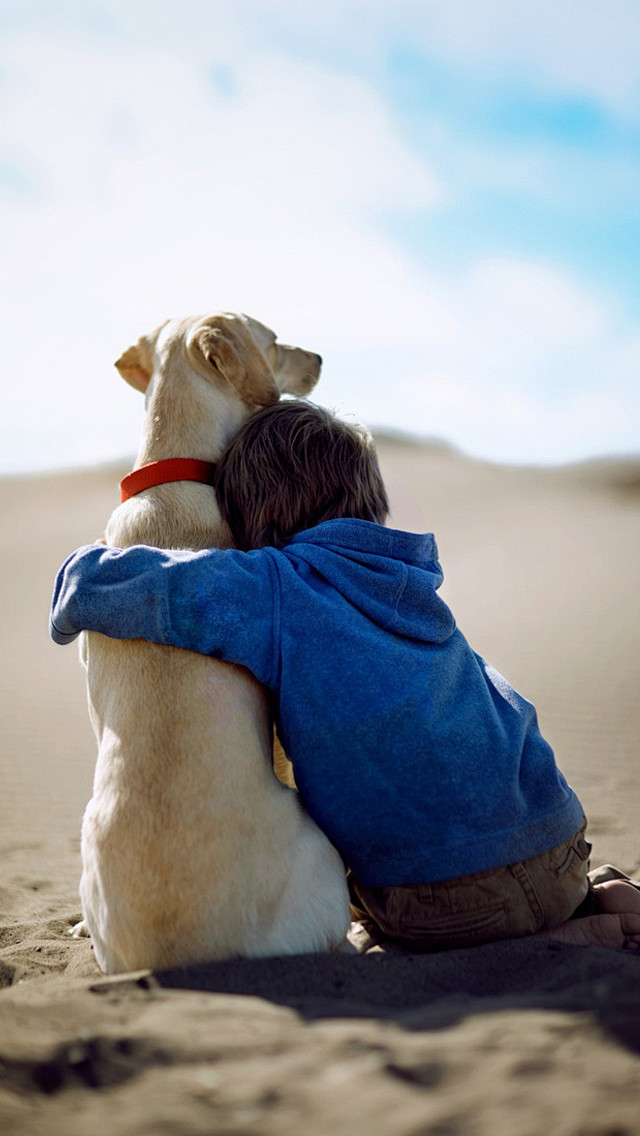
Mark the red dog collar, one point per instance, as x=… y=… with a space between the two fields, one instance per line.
x=161 y=472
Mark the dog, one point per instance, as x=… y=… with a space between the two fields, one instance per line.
x=191 y=848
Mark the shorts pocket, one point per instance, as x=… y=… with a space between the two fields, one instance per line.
x=459 y=928
x=450 y=914
x=572 y=856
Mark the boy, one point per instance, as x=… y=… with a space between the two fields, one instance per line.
x=416 y=758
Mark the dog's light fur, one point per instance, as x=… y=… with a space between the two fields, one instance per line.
x=191 y=849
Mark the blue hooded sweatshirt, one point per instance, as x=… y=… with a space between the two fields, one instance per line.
x=415 y=757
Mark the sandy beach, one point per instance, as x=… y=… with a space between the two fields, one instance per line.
x=530 y=1037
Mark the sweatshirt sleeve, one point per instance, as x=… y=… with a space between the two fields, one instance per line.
x=220 y=603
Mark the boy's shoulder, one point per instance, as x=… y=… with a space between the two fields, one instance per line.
x=339 y=530
x=368 y=537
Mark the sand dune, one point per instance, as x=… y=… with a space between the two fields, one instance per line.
x=541 y=570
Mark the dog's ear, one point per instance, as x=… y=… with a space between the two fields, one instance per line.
x=298 y=371
x=136 y=365
x=227 y=349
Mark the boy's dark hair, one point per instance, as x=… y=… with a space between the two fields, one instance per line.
x=293 y=465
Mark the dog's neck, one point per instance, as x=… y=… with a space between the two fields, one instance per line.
x=182 y=418
x=184 y=415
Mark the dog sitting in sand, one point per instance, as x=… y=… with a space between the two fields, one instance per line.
x=191 y=849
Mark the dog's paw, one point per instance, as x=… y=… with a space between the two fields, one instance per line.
x=79 y=930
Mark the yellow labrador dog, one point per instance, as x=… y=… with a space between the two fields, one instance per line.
x=191 y=849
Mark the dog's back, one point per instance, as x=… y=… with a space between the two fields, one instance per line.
x=191 y=847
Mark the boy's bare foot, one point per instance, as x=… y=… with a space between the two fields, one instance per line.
x=621 y=931
x=618 y=897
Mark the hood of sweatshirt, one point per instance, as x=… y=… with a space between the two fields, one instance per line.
x=392 y=577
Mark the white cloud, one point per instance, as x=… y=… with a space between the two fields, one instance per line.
x=503 y=386
x=503 y=424
x=580 y=46
x=625 y=361
x=583 y=47
x=518 y=311
x=160 y=196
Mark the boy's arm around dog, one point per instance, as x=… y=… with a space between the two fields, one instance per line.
x=445 y=772
x=221 y=603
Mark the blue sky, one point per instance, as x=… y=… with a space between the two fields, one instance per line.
x=441 y=198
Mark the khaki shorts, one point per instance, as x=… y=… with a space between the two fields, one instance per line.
x=504 y=903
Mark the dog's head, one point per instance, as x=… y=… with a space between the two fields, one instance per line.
x=228 y=349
